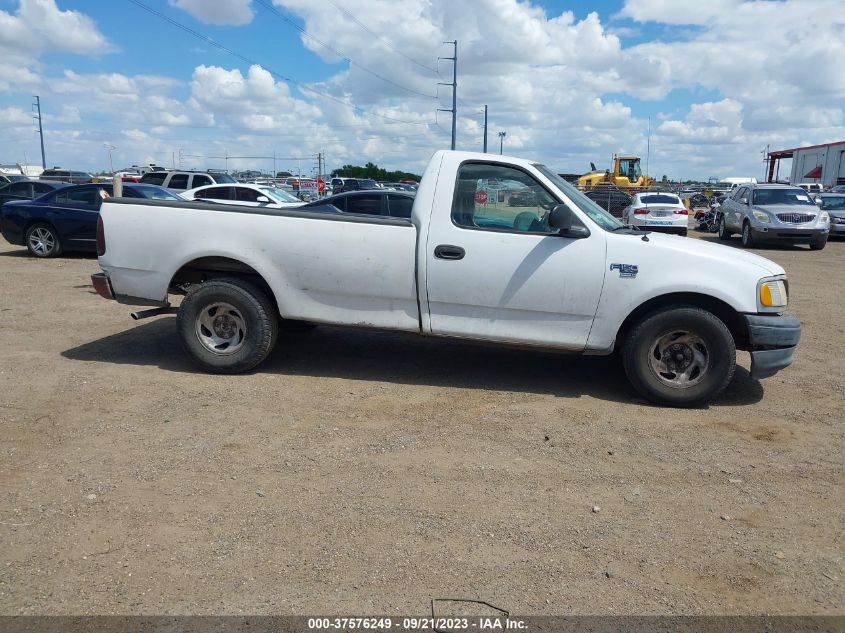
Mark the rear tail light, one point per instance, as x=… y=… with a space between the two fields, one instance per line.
x=101 y=237
x=681 y=212
x=640 y=211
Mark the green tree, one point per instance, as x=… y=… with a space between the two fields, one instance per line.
x=371 y=170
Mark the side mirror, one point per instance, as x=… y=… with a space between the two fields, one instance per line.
x=561 y=218
x=744 y=200
x=262 y=199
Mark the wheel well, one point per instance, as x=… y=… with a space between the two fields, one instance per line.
x=730 y=317
x=205 y=268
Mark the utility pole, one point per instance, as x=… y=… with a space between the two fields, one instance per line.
x=485 y=129
x=37 y=105
x=502 y=136
x=454 y=84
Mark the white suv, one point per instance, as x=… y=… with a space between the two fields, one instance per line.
x=179 y=181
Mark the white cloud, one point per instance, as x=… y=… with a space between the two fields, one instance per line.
x=39 y=25
x=738 y=75
x=228 y=12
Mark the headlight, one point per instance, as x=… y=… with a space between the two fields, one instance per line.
x=761 y=217
x=824 y=217
x=772 y=295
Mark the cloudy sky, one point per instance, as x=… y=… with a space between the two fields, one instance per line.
x=569 y=82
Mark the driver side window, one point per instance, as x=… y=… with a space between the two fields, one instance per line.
x=500 y=198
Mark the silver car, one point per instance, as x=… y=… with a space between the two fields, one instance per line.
x=834 y=204
x=771 y=212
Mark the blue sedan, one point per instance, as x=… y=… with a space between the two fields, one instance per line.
x=65 y=219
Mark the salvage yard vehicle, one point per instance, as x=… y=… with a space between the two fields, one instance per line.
x=658 y=212
x=27 y=190
x=245 y=195
x=397 y=204
x=768 y=212
x=834 y=204
x=65 y=219
x=565 y=276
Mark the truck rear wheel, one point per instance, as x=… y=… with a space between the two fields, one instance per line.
x=682 y=356
x=227 y=325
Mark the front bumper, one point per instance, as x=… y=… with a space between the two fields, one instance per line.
x=793 y=234
x=772 y=340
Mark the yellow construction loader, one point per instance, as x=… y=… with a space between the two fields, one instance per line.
x=626 y=175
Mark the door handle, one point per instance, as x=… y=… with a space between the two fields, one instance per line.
x=447 y=251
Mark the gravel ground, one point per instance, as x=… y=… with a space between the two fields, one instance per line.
x=362 y=472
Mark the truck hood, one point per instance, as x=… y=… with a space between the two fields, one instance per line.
x=686 y=251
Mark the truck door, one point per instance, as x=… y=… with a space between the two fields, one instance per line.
x=496 y=271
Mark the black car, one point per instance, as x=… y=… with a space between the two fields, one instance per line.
x=394 y=204
x=7 y=178
x=27 y=190
x=65 y=219
x=66 y=175
x=611 y=200
x=342 y=185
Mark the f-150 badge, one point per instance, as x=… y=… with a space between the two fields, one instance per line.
x=626 y=271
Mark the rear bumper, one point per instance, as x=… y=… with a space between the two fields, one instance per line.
x=772 y=340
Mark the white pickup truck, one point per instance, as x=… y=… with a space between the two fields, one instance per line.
x=497 y=249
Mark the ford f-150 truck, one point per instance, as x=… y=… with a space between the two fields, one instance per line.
x=557 y=273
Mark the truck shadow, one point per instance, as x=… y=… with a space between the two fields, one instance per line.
x=405 y=359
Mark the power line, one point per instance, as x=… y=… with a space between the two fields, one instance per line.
x=383 y=40
x=351 y=61
x=303 y=87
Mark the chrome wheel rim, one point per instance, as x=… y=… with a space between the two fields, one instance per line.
x=42 y=241
x=221 y=328
x=679 y=359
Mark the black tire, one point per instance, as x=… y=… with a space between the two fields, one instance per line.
x=747 y=236
x=818 y=244
x=683 y=232
x=42 y=240
x=256 y=325
x=715 y=345
x=724 y=234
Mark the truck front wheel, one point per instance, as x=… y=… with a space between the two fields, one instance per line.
x=682 y=356
x=227 y=325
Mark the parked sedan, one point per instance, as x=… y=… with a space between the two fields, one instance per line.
x=657 y=212
x=65 y=219
x=764 y=212
x=5 y=179
x=27 y=190
x=244 y=195
x=834 y=204
x=396 y=204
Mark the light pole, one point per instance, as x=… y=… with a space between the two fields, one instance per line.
x=502 y=136
x=110 y=147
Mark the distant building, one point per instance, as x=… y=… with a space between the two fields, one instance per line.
x=824 y=164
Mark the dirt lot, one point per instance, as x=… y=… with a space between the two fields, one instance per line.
x=368 y=472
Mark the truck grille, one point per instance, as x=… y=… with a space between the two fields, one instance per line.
x=795 y=218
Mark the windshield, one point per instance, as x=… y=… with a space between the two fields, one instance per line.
x=368 y=183
x=660 y=199
x=833 y=202
x=590 y=208
x=278 y=195
x=155 y=193
x=763 y=197
x=224 y=178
